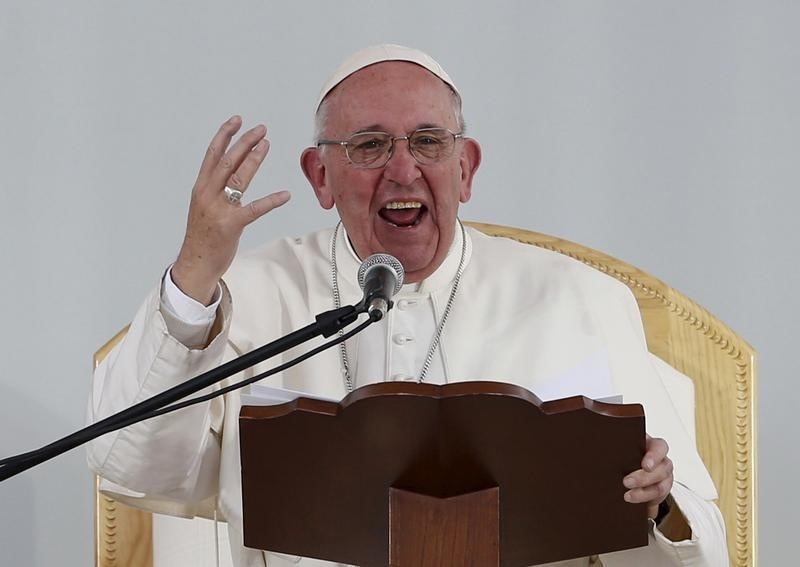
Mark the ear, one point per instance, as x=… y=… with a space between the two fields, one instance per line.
x=314 y=169
x=469 y=160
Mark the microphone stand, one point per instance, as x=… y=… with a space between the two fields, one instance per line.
x=325 y=324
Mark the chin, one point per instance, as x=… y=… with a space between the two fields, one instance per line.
x=415 y=266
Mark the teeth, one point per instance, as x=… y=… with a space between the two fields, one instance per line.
x=403 y=205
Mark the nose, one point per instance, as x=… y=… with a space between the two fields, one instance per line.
x=401 y=168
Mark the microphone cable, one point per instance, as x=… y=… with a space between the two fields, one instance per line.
x=11 y=466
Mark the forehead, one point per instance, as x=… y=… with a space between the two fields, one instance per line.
x=392 y=95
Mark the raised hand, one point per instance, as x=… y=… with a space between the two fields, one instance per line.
x=216 y=221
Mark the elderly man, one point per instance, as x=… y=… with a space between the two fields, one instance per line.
x=392 y=157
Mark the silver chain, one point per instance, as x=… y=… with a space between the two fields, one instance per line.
x=337 y=303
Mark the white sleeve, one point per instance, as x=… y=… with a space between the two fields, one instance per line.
x=148 y=361
x=706 y=548
x=187 y=320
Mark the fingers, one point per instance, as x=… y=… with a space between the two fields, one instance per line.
x=653 y=482
x=216 y=149
x=216 y=222
x=259 y=207
x=235 y=166
x=229 y=164
x=649 y=487
x=656 y=451
x=241 y=178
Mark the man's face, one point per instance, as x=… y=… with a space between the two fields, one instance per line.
x=379 y=207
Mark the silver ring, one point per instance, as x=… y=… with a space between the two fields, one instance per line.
x=234 y=195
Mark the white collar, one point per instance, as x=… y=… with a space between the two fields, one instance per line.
x=348 y=264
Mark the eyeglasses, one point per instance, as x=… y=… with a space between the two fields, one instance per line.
x=373 y=149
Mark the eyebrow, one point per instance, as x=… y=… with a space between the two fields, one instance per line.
x=380 y=128
x=370 y=128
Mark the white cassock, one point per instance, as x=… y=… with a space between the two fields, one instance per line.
x=522 y=315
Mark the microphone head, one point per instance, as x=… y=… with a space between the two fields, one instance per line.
x=387 y=261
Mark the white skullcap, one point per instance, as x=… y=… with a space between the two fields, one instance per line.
x=379 y=54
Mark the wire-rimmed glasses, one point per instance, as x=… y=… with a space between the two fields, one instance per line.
x=373 y=149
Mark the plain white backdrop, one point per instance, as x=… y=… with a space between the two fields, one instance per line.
x=663 y=133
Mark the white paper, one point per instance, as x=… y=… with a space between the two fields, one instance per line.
x=591 y=378
x=261 y=395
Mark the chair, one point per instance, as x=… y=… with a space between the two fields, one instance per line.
x=680 y=332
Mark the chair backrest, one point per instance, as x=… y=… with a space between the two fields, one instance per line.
x=686 y=336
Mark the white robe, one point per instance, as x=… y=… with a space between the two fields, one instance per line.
x=522 y=315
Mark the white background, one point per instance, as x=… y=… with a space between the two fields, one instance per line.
x=664 y=133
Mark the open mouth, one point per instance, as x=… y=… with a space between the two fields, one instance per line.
x=403 y=214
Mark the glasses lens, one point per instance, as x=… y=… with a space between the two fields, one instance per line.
x=430 y=145
x=368 y=147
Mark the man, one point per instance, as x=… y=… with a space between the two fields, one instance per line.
x=392 y=157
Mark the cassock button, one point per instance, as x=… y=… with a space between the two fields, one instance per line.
x=406 y=304
x=401 y=339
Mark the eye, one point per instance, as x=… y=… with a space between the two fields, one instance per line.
x=368 y=143
x=427 y=140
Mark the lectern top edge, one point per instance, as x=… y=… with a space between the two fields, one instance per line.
x=442 y=392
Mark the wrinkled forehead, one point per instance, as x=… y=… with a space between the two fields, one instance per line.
x=391 y=96
x=380 y=54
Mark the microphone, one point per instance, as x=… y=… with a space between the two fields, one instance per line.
x=380 y=277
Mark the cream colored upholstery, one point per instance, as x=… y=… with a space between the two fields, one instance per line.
x=680 y=332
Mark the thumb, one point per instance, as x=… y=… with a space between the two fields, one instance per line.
x=259 y=207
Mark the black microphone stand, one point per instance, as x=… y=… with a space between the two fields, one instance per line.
x=326 y=324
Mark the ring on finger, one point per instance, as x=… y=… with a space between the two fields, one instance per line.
x=234 y=196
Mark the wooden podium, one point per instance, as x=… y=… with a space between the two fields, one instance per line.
x=415 y=475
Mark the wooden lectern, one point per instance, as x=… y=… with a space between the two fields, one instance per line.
x=415 y=475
